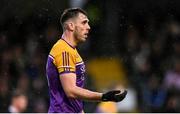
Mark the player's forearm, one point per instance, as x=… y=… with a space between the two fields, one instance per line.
x=85 y=94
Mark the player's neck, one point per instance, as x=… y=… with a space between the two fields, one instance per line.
x=69 y=38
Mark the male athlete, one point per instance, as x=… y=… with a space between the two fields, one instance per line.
x=66 y=70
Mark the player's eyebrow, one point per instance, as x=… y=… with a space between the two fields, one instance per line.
x=85 y=21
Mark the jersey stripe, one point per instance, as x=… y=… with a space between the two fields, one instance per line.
x=68 y=61
x=63 y=60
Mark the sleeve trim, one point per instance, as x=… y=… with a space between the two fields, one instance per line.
x=66 y=72
x=79 y=63
x=51 y=57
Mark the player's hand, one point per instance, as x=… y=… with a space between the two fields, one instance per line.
x=114 y=95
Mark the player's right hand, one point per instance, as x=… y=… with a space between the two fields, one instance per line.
x=114 y=95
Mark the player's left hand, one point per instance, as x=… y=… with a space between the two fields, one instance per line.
x=114 y=95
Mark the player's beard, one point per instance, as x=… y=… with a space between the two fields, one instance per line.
x=78 y=37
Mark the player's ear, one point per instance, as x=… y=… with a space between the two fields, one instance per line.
x=70 y=26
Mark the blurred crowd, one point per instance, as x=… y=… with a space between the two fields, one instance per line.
x=22 y=68
x=154 y=67
x=150 y=52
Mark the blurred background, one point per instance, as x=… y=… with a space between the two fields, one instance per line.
x=133 y=45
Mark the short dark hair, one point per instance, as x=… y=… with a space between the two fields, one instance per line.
x=70 y=13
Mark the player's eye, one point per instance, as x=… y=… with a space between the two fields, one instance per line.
x=84 y=22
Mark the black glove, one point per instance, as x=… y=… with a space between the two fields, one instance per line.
x=114 y=95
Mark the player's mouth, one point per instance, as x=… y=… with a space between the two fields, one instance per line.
x=86 y=34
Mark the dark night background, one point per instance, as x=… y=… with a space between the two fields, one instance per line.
x=142 y=35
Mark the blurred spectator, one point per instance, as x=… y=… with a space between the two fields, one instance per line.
x=19 y=102
x=23 y=83
x=153 y=95
x=132 y=41
x=173 y=101
x=19 y=59
x=40 y=106
x=156 y=55
x=172 y=76
x=31 y=45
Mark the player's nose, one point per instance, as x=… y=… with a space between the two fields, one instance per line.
x=88 y=27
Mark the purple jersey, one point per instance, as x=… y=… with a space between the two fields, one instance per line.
x=64 y=59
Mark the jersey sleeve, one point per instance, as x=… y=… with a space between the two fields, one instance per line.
x=65 y=62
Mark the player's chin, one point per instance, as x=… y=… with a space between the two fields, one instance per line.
x=84 y=39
